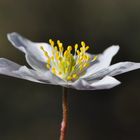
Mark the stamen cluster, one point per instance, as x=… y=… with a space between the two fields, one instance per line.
x=65 y=64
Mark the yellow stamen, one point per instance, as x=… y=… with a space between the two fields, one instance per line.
x=69 y=78
x=74 y=75
x=55 y=48
x=76 y=47
x=53 y=70
x=66 y=70
x=58 y=42
x=51 y=42
x=48 y=66
x=60 y=73
x=94 y=58
x=52 y=58
x=69 y=48
x=78 y=52
x=45 y=53
x=65 y=53
x=87 y=47
x=83 y=44
x=66 y=65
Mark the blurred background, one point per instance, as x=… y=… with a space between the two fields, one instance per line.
x=31 y=111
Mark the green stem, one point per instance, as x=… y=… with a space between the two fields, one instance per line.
x=64 y=123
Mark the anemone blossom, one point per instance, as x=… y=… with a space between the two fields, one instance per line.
x=51 y=64
x=70 y=68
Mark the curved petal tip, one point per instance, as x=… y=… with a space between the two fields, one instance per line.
x=112 y=50
x=11 y=35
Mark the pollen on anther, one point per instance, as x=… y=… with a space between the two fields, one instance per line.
x=48 y=66
x=83 y=44
x=53 y=70
x=69 y=78
x=74 y=75
x=65 y=63
x=51 y=42
x=76 y=46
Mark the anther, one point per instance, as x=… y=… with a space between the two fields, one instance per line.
x=69 y=48
x=83 y=44
x=76 y=46
x=51 y=42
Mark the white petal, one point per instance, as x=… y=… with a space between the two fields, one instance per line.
x=103 y=60
x=10 y=68
x=122 y=67
x=116 y=69
x=34 y=55
x=107 y=82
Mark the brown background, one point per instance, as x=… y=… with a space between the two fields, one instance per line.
x=31 y=111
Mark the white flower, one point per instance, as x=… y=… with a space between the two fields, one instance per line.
x=52 y=65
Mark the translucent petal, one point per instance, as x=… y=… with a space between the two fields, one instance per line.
x=34 y=55
x=113 y=70
x=105 y=83
x=103 y=60
x=10 y=68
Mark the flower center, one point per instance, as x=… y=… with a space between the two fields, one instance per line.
x=65 y=64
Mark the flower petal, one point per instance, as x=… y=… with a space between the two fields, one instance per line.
x=107 y=82
x=103 y=60
x=34 y=55
x=10 y=68
x=114 y=70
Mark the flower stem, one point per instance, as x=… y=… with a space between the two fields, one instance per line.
x=64 y=123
